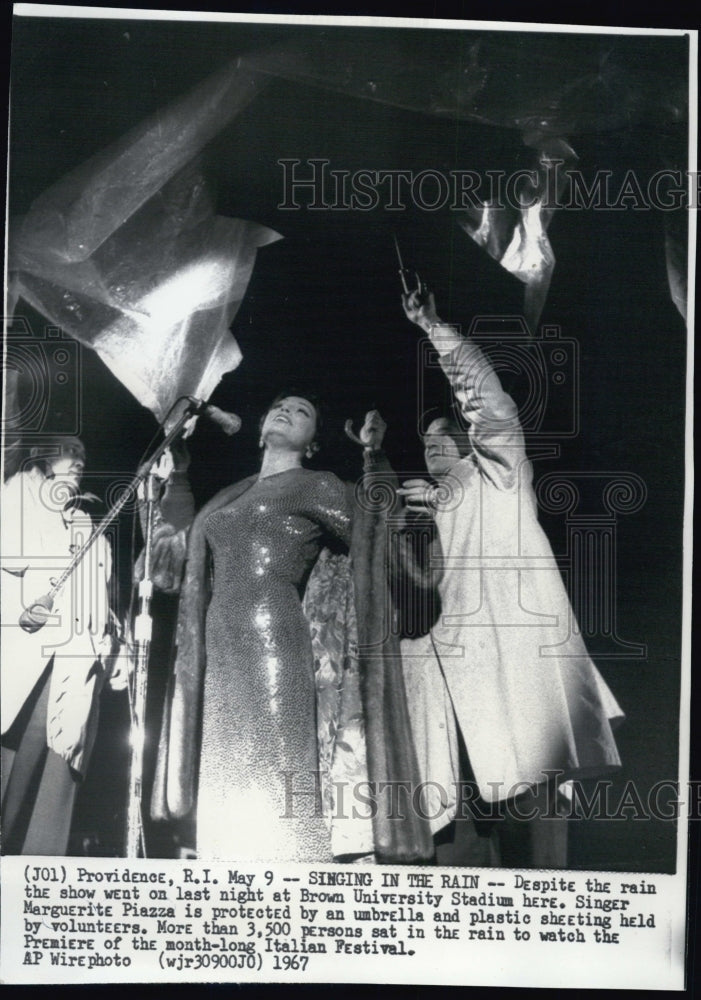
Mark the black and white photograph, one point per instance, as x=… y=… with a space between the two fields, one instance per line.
x=346 y=503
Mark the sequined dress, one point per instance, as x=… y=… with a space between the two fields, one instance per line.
x=257 y=780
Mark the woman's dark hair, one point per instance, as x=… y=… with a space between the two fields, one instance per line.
x=310 y=397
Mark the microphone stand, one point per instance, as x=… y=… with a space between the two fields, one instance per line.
x=143 y=629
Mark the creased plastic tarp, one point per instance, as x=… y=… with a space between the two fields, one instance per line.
x=517 y=237
x=676 y=242
x=126 y=254
x=553 y=84
x=549 y=88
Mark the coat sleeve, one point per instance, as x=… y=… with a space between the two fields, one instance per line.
x=333 y=506
x=494 y=431
x=391 y=755
x=14 y=515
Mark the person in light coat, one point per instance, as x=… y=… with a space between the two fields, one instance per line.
x=492 y=697
x=51 y=678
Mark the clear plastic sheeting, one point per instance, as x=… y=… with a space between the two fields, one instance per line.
x=75 y=216
x=127 y=256
x=555 y=84
x=544 y=86
x=523 y=249
x=517 y=238
x=676 y=241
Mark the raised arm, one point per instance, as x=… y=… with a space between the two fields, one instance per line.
x=380 y=488
x=376 y=491
x=377 y=471
x=340 y=505
x=494 y=431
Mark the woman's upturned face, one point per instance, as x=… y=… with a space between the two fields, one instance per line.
x=291 y=423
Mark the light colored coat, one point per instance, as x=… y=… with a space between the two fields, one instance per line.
x=38 y=539
x=505 y=658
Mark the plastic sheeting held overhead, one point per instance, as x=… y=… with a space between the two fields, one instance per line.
x=126 y=254
x=550 y=88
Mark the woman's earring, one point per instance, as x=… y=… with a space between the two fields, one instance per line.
x=260 y=443
x=309 y=452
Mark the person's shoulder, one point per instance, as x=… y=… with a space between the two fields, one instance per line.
x=22 y=475
x=235 y=489
x=25 y=479
x=225 y=496
x=322 y=476
x=324 y=480
x=465 y=467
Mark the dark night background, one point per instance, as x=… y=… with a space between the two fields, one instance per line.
x=323 y=310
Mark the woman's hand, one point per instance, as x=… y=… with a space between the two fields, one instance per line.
x=174 y=459
x=160 y=470
x=372 y=432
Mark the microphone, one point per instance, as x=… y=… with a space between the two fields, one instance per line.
x=230 y=423
x=36 y=615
